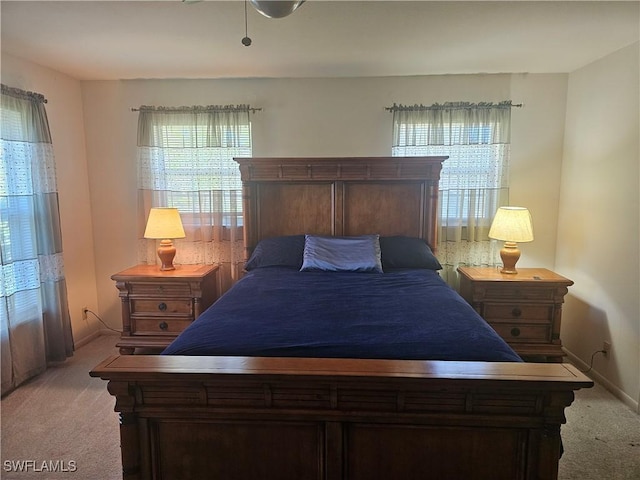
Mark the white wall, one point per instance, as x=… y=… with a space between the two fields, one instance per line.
x=599 y=219
x=536 y=147
x=64 y=111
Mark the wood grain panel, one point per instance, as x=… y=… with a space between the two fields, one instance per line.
x=419 y=452
x=290 y=209
x=391 y=208
x=238 y=450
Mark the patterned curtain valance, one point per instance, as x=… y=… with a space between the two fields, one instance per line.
x=24 y=118
x=198 y=108
x=452 y=106
x=194 y=127
x=23 y=94
x=459 y=123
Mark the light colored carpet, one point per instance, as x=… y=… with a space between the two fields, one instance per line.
x=68 y=416
x=65 y=415
x=601 y=438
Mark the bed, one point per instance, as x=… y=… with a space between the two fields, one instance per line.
x=307 y=390
x=407 y=314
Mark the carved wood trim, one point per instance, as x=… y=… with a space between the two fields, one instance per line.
x=257 y=169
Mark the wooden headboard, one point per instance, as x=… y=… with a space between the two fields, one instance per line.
x=341 y=196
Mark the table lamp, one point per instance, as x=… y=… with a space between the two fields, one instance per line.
x=165 y=224
x=512 y=225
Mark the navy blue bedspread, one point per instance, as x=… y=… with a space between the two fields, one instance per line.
x=405 y=314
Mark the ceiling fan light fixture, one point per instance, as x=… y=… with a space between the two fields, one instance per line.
x=276 y=8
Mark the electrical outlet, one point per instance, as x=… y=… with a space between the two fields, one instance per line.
x=606 y=347
x=84 y=313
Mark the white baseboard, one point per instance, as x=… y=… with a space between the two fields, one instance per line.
x=93 y=336
x=83 y=341
x=106 y=331
x=622 y=396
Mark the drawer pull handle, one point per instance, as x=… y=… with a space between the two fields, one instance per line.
x=515 y=332
x=163 y=325
x=162 y=306
x=516 y=312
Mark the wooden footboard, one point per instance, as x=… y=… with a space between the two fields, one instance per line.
x=296 y=418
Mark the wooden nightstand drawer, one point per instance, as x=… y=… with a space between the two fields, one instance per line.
x=160 y=307
x=500 y=292
x=517 y=311
x=158 y=326
x=160 y=289
x=514 y=333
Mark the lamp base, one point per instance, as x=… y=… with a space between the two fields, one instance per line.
x=166 y=253
x=509 y=255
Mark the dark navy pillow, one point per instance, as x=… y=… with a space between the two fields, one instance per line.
x=342 y=254
x=407 y=252
x=283 y=251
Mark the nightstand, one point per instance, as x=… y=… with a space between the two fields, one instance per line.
x=524 y=308
x=158 y=305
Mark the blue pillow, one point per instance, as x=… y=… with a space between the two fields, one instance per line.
x=342 y=254
x=407 y=252
x=283 y=251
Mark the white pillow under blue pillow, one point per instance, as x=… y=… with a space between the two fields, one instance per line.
x=342 y=254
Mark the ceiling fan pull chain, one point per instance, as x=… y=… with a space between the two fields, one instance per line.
x=246 y=41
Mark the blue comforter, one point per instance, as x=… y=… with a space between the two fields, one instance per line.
x=404 y=314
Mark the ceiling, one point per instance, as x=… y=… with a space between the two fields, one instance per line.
x=106 y=40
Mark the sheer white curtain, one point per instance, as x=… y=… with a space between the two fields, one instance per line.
x=185 y=160
x=474 y=179
x=35 y=327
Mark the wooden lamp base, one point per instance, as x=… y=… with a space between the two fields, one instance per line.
x=166 y=252
x=509 y=255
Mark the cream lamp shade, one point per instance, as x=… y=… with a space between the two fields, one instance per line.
x=165 y=224
x=512 y=225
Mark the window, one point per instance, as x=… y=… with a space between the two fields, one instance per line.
x=474 y=179
x=34 y=315
x=187 y=164
x=186 y=160
x=189 y=170
x=477 y=166
x=17 y=221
